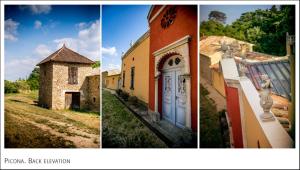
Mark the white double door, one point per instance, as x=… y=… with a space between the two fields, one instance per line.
x=174 y=97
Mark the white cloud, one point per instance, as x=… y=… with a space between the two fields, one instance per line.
x=87 y=43
x=112 y=51
x=37 y=9
x=42 y=51
x=37 y=24
x=81 y=25
x=11 y=29
x=19 y=68
x=111 y=67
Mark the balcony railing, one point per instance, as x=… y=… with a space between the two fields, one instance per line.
x=255 y=131
x=259 y=133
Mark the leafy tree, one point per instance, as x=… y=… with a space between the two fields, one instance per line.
x=96 y=65
x=264 y=28
x=10 y=87
x=217 y=16
x=32 y=83
x=33 y=79
x=211 y=27
x=22 y=85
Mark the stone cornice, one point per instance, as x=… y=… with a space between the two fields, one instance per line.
x=156 y=14
x=173 y=45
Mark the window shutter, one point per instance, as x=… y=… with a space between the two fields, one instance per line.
x=123 y=78
x=73 y=75
x=132 y=78
x=69 y=75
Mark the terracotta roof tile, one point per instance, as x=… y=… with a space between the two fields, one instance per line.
x=112 y=72
x=65 y=54
x=259 y=56
x=211 y=44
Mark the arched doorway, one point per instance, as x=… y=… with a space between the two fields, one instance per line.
x=174 y=91
x=172 y=72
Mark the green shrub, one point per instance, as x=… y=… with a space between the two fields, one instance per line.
x=22 y=85
x=119 y=91
x=33 y=80
x=133 y=100
x=124 y=95
x=10 y=87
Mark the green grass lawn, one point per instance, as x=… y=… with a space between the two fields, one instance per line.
x=121 y=129
x=30 y=126
x=210 y=128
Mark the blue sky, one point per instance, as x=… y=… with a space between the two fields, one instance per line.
x=32 y=32
x=232 y=12
x=121 y=24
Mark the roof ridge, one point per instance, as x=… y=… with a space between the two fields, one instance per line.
x=58 y=52
x=65 y=54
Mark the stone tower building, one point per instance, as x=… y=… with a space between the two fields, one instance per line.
x=64 y=81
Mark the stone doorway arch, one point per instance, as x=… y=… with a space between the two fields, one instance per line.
x=179 y=48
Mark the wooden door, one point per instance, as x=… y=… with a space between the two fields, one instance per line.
x=180 y=96
x=68 y=100
x=72 y=100
x=168 y=96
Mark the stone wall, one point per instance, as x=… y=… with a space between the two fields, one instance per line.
x=45 y=90
x=61 y=86
x=104 y=75
x=94 y=93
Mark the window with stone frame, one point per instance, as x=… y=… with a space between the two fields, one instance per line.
x=73 y=75
x=132 y=78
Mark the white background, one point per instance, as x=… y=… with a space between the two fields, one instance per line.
x=157 y=158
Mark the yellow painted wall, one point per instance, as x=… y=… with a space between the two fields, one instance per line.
x=205 y=71
x=215 y=58
x=254 y=132
x=138 y=58
x=218 y=81
x=111 y=82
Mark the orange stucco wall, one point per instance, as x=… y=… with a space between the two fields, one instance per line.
x=184 y=24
